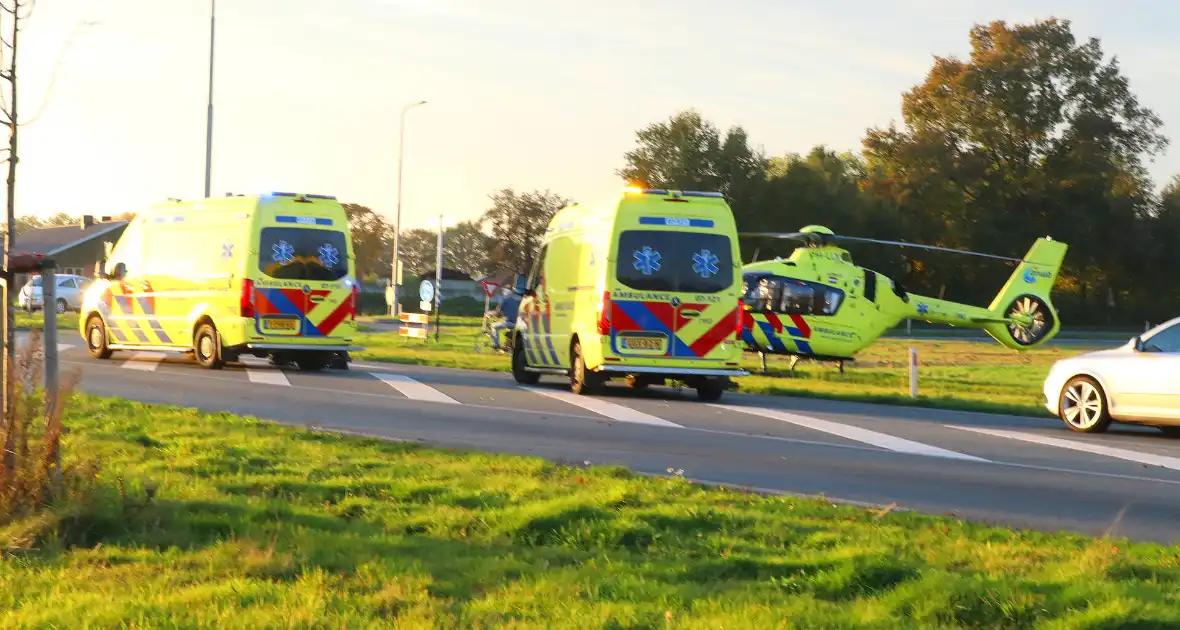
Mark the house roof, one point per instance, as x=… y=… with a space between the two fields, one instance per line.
x=52 y=240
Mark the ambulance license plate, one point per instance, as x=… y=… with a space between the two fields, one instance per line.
x=640 y=343
x=280 y=324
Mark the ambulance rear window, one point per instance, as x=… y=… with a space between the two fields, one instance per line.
x=296 y=253
x=684 y=262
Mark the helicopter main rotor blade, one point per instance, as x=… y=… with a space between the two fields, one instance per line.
x=858 y=239
x=790 y=235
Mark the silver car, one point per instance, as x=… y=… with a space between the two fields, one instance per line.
x=68 y=296
x=1138 y=382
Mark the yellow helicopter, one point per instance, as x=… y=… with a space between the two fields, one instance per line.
x=818 y=305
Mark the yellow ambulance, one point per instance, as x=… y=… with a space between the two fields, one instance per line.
x=645 y=286
x=265 y=275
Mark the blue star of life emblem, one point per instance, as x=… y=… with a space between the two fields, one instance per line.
x=227 y=250
x=282 y=252
x=704 y=264
x=923 y=309
x=329 y=255
x=647 y=261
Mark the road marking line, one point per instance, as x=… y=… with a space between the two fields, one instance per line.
x=855 y=434
x=62 y=347
x=615 y=412
x=144 y=361
x=414 y=390
x=268 y=377
x=1162 y=461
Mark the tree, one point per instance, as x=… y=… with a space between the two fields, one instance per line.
x=518 y=222
x=418 y=250
x=687 y=152
x=16 y=12
x=372 y=241
x=822 y=187
x=1034 y=134
x=467 y=249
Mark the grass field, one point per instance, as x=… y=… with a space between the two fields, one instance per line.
x=970 y=375
x=223 y=521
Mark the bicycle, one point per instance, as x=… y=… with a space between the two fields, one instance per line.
x=485 y=339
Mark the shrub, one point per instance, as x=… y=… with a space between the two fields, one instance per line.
x=31 y=475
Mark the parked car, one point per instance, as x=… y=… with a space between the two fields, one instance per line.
x=1138 y=382
x=69 y=293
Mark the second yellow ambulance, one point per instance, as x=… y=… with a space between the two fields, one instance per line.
x=645 y=286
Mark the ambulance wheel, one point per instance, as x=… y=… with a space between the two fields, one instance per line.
x=312 y=361
x=710 y=390
x=522 y=376
x=96 y=338
x=205 y=349
x=582 y=381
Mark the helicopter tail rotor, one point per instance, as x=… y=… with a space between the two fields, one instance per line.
x=1023 y=311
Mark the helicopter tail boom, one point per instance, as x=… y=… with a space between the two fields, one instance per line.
x=1022 y=315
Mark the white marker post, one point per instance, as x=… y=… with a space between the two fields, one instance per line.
x=913 y=372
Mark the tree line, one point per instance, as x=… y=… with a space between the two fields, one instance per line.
x=1035 y=133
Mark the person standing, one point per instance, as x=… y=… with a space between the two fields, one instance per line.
x=509 y=307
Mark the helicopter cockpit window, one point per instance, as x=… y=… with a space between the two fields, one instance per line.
x=761 y=293
x=798 y=297
x=776 y=294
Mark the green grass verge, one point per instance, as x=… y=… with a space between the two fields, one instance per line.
x=67 y=323
x=965 y=375
x=224 y=521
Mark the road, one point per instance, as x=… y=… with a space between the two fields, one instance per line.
x=1023 y=472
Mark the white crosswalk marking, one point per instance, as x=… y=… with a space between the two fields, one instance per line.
x=618 y=413
x=144 y=361
x=856 y=434
x=1162 y=461
x=267 y=377
x=413 y=389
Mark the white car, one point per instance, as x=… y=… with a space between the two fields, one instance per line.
x=1138 y=383
x=68 y=293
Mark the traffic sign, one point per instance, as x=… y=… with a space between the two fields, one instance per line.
x=489 y=288
x=426 y=291
x=425 y=306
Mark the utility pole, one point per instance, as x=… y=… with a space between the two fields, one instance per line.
x=395 y=281
x=438 y=263
x=209 y=120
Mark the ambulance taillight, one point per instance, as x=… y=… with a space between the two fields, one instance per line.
x=604 y=314
x=356 y=294
x=741 y=312
x=246 y=305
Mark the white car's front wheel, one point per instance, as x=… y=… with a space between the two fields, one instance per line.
x=1083 y=406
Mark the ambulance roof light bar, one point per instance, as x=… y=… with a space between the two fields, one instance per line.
x=301 y=196
x=672 y=193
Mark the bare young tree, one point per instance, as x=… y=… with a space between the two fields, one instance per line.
x=13 y=13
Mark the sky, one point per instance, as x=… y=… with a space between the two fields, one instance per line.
x=529 y=94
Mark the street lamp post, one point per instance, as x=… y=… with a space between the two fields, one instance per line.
x=395 y=308
x=209 y=119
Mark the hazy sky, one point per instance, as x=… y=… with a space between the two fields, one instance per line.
x=522 y=93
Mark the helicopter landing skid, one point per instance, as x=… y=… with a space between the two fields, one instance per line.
x=796 y=358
